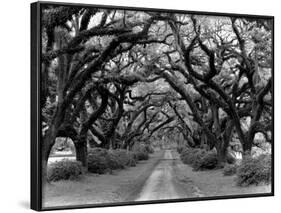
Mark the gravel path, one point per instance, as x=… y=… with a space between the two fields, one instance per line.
x=171 y=179
x=164 y=182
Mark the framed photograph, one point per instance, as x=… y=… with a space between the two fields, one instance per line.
x=139 y=105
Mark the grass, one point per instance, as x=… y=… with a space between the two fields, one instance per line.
x=214 y=183
x=122 y=185
x=95 y=188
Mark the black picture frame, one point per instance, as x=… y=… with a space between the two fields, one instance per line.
x=36 y=170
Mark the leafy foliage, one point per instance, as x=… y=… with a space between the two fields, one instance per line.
x=142 y=152
x=208 y=160
x=142 y=155
x=88 y=53
x=254 y=171
x=115 y=161
x=102 y=160
x=200 y=159
x=149 y=149
x=97 y=161
x=180 y=149
x=230 y=159
x=192 y=156
x=65 y=170
x=125 y=158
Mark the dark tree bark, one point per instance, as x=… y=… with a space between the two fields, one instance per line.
x=258 y=107
x=179 y=87
x=65 y=101
x=224 y=144
x=111 y=134
x=81 y=143
x=81 y=151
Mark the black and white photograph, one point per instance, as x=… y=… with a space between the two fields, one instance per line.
x=138 y=105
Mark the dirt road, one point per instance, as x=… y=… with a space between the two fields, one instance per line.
x=171 y=179
x=164 y=181
x=162 y=177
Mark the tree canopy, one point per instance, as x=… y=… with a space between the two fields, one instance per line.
x=113 y=78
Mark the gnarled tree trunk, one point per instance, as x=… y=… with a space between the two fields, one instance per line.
x=81 y=151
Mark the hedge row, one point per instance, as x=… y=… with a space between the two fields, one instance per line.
x=254 y=171
x=200 y=159
x=99 y=161
x=64 y=170
x=102 y=160
x=251 y=171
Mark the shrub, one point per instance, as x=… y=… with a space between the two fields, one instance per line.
x=200 y=159
x=134 y=155
x=64 y=170
x=230 y=159
x=180 y=149
x=124 y=158
x=132 y=162
x=98 y=161
x=141 y=152
x=114 y=161
x=149 y=149
x=144 y=148
x=185 y=150
x=205 y=161
x=101 y=160
x=192 y=156
x=98 y=151
x=132 y=159
x=142 y=155
x=229 y=169
x=254 y=170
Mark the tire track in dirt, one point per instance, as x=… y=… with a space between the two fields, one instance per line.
x=166 y=181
